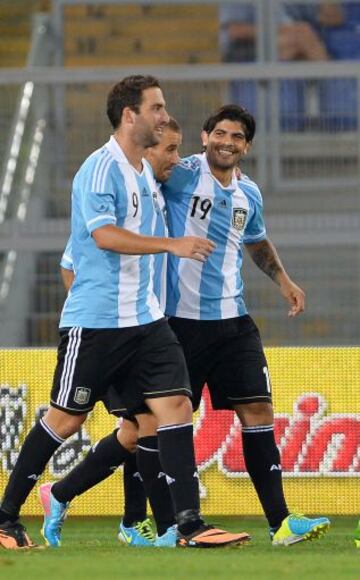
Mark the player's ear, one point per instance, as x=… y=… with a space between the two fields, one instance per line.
x=204 y=138
x=129 y=116
x=247 y=147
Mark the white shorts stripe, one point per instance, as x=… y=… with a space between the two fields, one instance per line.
x=70 y=350
x=72 y=368
x=65 y=364
x=67 y=360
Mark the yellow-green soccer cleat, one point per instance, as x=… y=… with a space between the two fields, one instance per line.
x=297 y=528
x=140 y=534
x=357 y=535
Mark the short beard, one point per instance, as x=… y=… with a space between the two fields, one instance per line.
x=215 y=163
x=146 y=138
x=150 y=140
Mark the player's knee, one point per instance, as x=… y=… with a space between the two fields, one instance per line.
x=147 y=424
x=62 y=423
x=170 y=410
x=127 y=435
x=181 y=407
x=253 y=414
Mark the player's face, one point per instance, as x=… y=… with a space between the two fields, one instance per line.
x=164 y=156
x=225 y=145
x=151 y=119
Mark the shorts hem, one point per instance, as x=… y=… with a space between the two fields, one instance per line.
x=70 y=410
x=167 y=393
x=254 y=399
x=119 y=413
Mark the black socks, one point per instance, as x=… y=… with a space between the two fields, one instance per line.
x=262 y=459
x=101 y=461
x=177 y=457
x=155 y=484
x=135 y=496
x=36 y=451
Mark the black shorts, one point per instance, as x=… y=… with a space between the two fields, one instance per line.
x=228 y=356
x=139 y=363
x=113 y=401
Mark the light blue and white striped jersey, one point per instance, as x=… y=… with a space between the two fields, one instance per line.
x=198 y=205
x=160 y=259
x=111 y=290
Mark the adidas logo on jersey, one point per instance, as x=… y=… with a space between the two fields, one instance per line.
x=222 y=203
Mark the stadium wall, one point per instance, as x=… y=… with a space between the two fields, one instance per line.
x=317 y=423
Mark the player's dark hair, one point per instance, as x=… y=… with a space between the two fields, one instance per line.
x=232 y=113
x=173 y=125
x=128 y=93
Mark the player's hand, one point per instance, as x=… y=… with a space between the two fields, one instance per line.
x=295 y=296
x=192 y=247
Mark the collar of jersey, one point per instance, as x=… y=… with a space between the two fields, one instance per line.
x=114 y=148
x=206 y=169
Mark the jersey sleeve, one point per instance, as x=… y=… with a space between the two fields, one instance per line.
x=255 y=230
x=183 y=178
x=99 y=195
x=67 y=259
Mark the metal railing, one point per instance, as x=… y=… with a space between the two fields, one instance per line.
x=309 y=171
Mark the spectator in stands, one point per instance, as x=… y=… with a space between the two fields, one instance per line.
x=306 y=32
x=297 y=40
x=337 y=27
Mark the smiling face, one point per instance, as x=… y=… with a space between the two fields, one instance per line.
x=225 y=144
x=164 y=156
x=150 y=119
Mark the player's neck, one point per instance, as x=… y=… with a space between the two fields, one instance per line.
x=133 y=152
x=224 y=176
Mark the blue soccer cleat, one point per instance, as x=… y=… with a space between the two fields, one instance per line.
x=139 y=535
x=168 y=539
x=55 y=514
x=297 y=528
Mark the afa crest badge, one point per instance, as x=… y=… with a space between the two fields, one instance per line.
x=82 y=395
x=239 y=218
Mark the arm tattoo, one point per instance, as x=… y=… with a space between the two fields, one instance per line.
x=266 y=258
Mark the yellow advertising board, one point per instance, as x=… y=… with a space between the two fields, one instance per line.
x=316 y=394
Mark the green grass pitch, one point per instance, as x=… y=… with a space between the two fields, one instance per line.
x=91 y=550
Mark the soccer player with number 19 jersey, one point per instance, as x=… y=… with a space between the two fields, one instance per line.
x=207 y=312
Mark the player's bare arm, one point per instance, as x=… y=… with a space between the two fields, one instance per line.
x=266 y=258
x=67 y=277
x=122 y=241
